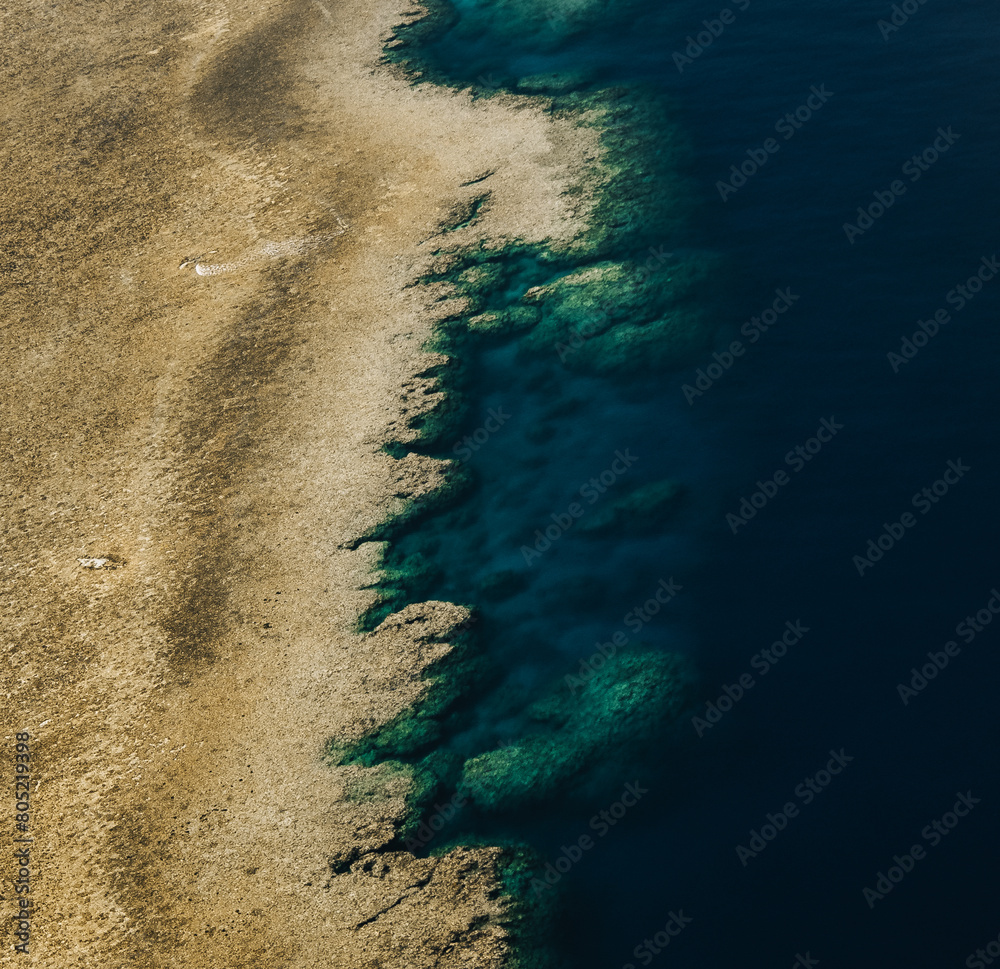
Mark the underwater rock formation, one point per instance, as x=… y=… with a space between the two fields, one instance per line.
x=635 y=693
x=607 y=317
x=636 y=511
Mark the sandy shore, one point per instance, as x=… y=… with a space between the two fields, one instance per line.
x=217 y=440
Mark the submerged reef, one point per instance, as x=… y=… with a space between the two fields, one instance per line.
x=521 y=24
x=625 y=295
x=637 y=692
x=600 y=305
x=636 y=512
x=604 y=319
x=631 y=292
x=560 y=18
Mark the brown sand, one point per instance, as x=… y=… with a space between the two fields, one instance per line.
x=218 y=439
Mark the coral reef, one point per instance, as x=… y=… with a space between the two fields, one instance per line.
x=635 y=693
x=637 y=511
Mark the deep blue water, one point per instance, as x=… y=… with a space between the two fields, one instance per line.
x=824 y=358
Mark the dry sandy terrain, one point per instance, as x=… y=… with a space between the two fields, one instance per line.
x=217 y=439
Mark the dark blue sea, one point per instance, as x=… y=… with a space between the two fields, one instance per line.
x=823 y=726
